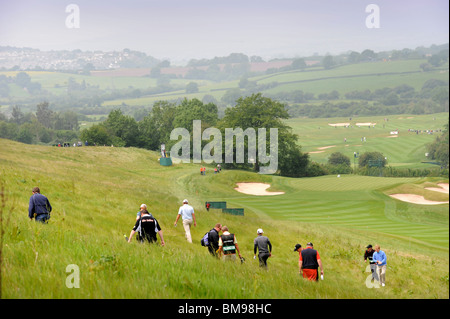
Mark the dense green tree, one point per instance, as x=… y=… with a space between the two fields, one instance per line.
x=439 y=149
x=162 y=117
x=298 y=64
x=191 y=87
x=148 y=134
x=257 y=112
x=328 y=62
x=354 y=57
x=123 y=127
x=17 y=116
x=25 y=134
x=371 y=158
x=337 y=158
x=231 y=95
x=96 y=134
x=292 y=162
x=23 y=79
x=44 y=114
x=190 y=110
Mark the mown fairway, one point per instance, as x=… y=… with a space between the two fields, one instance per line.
x=96 y=192
x=407 y=150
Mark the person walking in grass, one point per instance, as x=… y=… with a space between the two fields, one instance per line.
x=147 y=226
x=139 y=214
x=264 y=247
x=368 y=255
x=213 y=238
x=39 y=207
x=188 y=216
x=379 y=257
x=309 y=263
x=141 y=210
x=298 y=248
x=228 y=245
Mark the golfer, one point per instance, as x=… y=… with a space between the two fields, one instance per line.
x=368 y=255
x=264 y=247
x=379 y=257
x=187 y=214
x=147 y=226
x=309 y=262
x=39 y=207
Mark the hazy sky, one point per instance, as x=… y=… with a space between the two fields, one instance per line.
x=181 y=30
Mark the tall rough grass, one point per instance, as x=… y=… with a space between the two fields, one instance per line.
x=95 y=193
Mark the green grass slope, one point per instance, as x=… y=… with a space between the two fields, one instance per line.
x=96 y=191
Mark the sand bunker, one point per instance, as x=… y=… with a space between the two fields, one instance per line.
x=259 y=189
x=339 y=124
x=415 y=199
x=418 y=199
x=321 y=149
x=365 y=124
x=443 y=188
x=325 y=147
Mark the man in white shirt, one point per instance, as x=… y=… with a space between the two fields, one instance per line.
x=187 y=214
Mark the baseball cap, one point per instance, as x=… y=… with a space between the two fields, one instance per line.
x=309 y=244
x=185 y=201
x=297 y=247
x=143 y=205
x=369 y=246
x=259 y=231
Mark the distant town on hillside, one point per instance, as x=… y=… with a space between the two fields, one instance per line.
x=28 y=59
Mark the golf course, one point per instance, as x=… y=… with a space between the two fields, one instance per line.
x=96 y=192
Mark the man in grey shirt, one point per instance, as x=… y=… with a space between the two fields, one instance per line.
x=263 y=245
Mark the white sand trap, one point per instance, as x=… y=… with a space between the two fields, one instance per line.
x=415 y=199
x=443 y=189
x=315 y=152
x=259 y=189
x=392 y=136
x=325 y=147
x=365 y=124
x=339 y=124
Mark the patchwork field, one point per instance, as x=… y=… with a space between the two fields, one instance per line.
x=343 y=79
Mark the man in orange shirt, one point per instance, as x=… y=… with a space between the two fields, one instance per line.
x=309 y=263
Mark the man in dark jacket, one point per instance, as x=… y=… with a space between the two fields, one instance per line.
x=213 y=239
x=39 y=206
x=309 y=263
x=368 y=255
x=148 y=227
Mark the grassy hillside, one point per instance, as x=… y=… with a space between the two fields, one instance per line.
x=344 y=79
x=96 y=192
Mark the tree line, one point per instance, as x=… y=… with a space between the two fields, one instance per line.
x=155 y=127
x=43 y=126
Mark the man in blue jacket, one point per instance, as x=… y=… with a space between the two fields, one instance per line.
x=379 y=257
x=39 y=206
